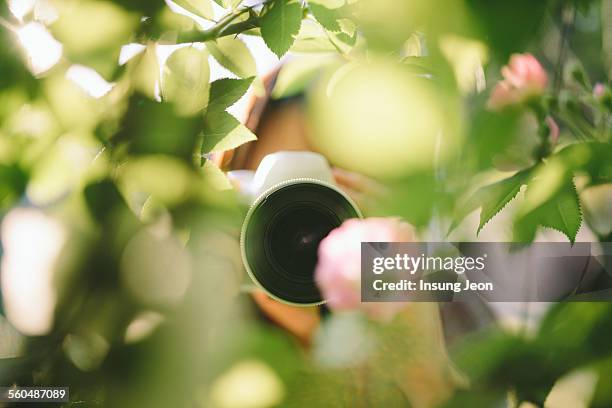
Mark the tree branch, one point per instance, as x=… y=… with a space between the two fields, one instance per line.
x=223 y=28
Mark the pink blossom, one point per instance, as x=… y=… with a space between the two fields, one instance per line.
x=599 y=90
x=524 y=78
x=339 y=267
x=553 y=130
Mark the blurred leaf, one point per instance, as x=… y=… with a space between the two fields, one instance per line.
x=144 y=72
x=155 y=128
x=228 y=4
x=222 y=132
x=602 y=396
x=280 y=23
x=592 y=158
x=490 y=134
x=13 y=70
x=571 y=332
x=477 y=398
x=412 y=197
x=13 y=181
x=326 y=16
x=227 y=91
x=297 y=74
x=185 y=79
x=201 y=8
x=312 y=38
x=216 y=177
x=93 y=32
x=145 y=7
x=512 y=32
x=103 y=198
x=342 y=41
x=495 y=360
x=233 y=55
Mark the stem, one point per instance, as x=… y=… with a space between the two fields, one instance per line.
x=222 y=29
x=568 y=15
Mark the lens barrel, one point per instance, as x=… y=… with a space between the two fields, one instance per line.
x=281 y=235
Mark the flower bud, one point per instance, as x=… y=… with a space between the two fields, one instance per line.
x=524 y=79
x=553 y=130
x=603 y=95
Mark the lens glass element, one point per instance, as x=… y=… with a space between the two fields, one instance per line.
x=282 y=236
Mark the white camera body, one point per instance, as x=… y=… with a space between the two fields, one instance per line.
x=294 y=204
x=281 y=167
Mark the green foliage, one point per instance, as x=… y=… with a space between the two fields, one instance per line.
x=201 y=8
x=153 y=128
x=13 y=181
x=233 y=55
x=280 y=23
x=185 y=79
x=228 y=4
x=560 y=210
x=226 y=91
x=221 y=130
x=495 y=197
x=503 y=34
x=326 y=14
x=150 y=307
x=492 y=199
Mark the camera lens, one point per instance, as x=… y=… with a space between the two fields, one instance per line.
x=281 y=236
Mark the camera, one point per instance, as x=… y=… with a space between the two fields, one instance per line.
x=294 y=204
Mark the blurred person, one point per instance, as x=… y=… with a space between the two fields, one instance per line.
x=282 y=125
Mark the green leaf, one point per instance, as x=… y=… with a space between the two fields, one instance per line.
x=234 y=55
x=312 y=38
x=342 y=41
x=496 y=196
x=215 y=176
x=593 y=158
x=93 y=32
x=228 y=4
x=13 y=181
x=280 y=23
x=492 y=199
x=564 y=213
x=201 y=8
x=505 y=35
x=185 y=79
x=561 y=211
x=150 y=127
x=226 y=91
x=493 y=135
x=326 y=16
x=223 y=132
x=400 y=198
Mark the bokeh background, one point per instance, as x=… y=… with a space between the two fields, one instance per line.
x=120 y=265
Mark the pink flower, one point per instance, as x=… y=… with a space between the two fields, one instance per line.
x=553 y=130
x=338 y=271
x=524 y=78
x=599 y=90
